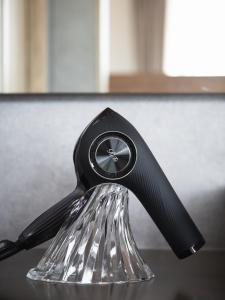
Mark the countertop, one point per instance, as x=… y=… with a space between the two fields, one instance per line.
x=201 y=276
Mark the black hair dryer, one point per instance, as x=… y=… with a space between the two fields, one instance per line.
x=111 y=150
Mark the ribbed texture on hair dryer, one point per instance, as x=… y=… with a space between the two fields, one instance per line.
x=162 y=203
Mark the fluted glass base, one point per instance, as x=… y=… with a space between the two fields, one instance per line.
x=96 y=248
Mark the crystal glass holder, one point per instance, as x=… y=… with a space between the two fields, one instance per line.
x=97 y=247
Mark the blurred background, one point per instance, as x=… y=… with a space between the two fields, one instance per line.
x=79 y=56
x=162 y=46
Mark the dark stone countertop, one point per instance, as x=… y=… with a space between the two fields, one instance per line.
x=200 y=277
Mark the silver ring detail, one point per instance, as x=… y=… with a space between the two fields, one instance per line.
x=112 y=132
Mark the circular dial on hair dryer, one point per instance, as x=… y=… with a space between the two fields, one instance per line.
x=112 y=155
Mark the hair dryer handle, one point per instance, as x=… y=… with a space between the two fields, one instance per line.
x=48 y=224
x=162 y=203
x=44 y=227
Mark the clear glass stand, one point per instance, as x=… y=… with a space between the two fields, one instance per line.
x=96 y=248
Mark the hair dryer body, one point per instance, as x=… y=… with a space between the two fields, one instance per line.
x=143 y=176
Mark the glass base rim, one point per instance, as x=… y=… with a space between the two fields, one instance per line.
x=37 y=276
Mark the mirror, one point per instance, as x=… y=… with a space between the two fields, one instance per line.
x=91 y=46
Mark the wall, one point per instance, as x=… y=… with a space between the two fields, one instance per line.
x=136 y=36
x=73 y=38
x=123 y=40
x=14 y=46
x=186 y=134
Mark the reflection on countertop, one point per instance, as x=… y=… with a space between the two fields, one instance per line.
x=201 y=276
